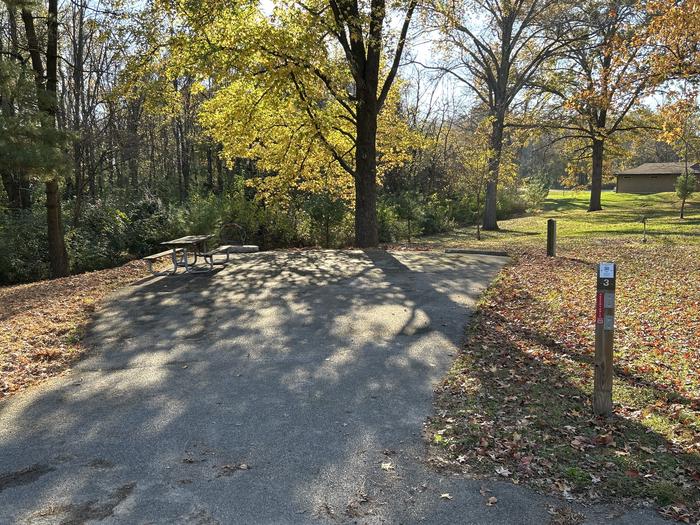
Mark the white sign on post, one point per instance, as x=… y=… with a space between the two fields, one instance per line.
x=609 y=322
x=607 y=270
x=609 y=300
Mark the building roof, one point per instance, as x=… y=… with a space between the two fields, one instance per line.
x=661 y=168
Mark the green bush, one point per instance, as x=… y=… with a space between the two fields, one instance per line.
x=510 y=203
x=464 y=210
x=438 y=216
x=326 y=216
x=150 y=222
x=536 y=191
x=391 y=227
x=114 y=230
x=24 y=253
x=204 y=214
x=100 y=240
x=409 y=207
x=266 y=226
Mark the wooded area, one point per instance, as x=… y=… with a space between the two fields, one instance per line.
x=330 y=122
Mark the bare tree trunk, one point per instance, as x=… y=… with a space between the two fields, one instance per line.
x=133 y=140
x=685 y=159
x=491 y=197
x=78 y=66
x=366 y=231
x=219 y=175
x=179 y=153
x=14 y=178
x=210 y=170
x=597 y=175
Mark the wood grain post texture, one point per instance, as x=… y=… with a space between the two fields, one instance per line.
x=604 y=336
x=551 y=238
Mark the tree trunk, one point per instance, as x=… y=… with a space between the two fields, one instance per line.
x=95 y=167
x=219 y=175
x=78 y=170
x=366 y=231
x=47 y=102
x=210 y=170
x=490 y=204
x=14 y=179
x=57 y=248
x=78 y=110
x=16 y=184
x=58 y=255
x=490 y=199
x=134 y=169
x=685 y=181
x=133 y=147
x=596 y=175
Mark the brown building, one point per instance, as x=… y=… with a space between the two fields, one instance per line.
x=653 y=177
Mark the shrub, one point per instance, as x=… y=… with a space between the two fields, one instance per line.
x=409 y=207
x=100 y=240
x=685 y=187
x=24 y=253
x=510 y=203
x=464 y=210
x=150 y=222
x=438 y=216
x=536 y=191
x=266 y=226
x=327 y=215
x=390 y=227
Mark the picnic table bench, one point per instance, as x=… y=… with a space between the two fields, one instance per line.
x=150 y=259
x=181 y=249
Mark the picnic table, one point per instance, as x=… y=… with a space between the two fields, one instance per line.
x=190 y=244
x=180 y=250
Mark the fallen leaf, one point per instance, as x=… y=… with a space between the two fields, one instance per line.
x=502 y=471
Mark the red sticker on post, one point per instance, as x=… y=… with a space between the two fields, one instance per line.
x=599 y=307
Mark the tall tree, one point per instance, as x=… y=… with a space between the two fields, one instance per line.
x=13 y=174
x=496 y=49
x=46 y=82
x=681 y=116
x=324 y=51
x=600 y=77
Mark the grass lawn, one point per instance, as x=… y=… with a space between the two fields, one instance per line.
x=516 y=403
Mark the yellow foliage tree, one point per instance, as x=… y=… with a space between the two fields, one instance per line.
x=303 y=87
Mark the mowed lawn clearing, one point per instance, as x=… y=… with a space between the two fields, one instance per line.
x=516 y=404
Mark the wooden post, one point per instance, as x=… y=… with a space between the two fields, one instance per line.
x=604 y=335
x=551 y=238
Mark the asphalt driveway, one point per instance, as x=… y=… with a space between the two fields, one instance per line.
x=290 y=387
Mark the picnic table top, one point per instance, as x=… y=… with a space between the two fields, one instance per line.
x=188 y=240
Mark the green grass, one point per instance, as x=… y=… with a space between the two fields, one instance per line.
x=621 y=218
